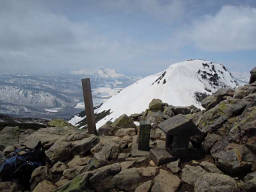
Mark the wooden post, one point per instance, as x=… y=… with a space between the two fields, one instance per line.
x=88 y=103
x=144 y=136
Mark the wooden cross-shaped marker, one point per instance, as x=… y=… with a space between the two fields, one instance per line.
x=88 y=103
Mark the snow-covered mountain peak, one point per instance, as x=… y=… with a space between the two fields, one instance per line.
x=181 y=84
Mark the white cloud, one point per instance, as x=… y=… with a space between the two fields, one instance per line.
x=233 y=28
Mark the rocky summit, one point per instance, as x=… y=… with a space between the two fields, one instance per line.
x=190 y=150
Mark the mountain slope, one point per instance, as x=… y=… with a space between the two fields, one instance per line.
x=182 y=84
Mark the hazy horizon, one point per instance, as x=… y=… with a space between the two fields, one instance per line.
x=135 y=37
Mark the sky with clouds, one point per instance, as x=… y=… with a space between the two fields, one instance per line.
x=132 y=36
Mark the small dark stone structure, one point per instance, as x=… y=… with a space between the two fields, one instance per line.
x=253 y=75
x=178 y=131
x=144 y=136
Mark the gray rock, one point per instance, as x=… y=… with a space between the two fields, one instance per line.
x=128 y=179
x=9 y=187
x=191 y=173
x=45 y=186
x=144 y=187
x=174 y=166
x=214 y=118
x=253 y=75
x=124 y=122
x=38 y=175
x=165 y=182
x=215 y=182
x=60 y=151
x=156 y=105
x=58 y=168
x=250 y=182
x=125 y=131
x=9 y=136
x=108 y=152
x=209 y=141
x=101 y=179
x=160 y=156
x=234 y=159
x=210 y=167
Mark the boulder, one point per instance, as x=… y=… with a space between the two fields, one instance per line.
x=234 y=159
x=109 y=151
x=209 y=141
x=215 y=182
x=60 y=151
x=107 y=129
x=9 y=187
x=156 y=105
x=101 y=180
x=79 y=161
x=58 y=168
x=124 y=122
x=165 y=182
x=79 y=184
x=128 y=179
x=253 y=75
x=9 y=136
x=210 y=167
x=45 y=186
x=84 y=145
x=212 y=100
x=38 y=175
x=160 y=156
x=191 y=173
x=125 y=131
x=214 y=118
x=250 y=182
x=174 y=166
x=144 y=187
x=48 y=136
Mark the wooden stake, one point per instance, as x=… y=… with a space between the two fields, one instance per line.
x=89 y=111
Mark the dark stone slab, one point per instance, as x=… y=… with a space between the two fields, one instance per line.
x=161 y=156
x=144 y=136
x=179 y=125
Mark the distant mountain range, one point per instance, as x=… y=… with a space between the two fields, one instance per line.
x=56 y=96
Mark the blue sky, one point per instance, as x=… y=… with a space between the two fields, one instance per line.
x=132 y=36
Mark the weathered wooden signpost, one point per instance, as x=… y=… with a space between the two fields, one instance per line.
x=89 y=111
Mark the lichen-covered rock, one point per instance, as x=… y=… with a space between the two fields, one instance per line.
x=156 y=105
x=215 y=182
x=124 y=122
x=214 y=118
x=234 y=159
